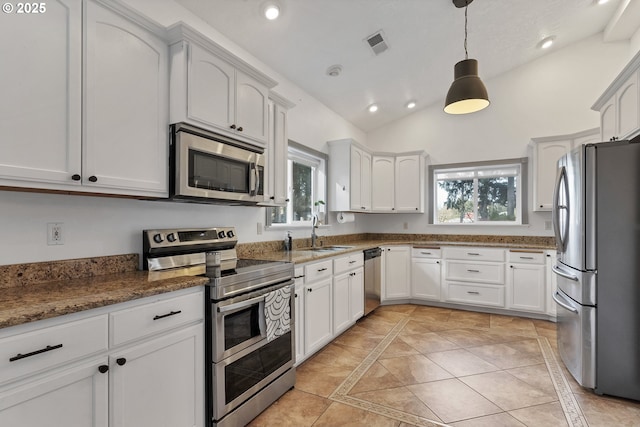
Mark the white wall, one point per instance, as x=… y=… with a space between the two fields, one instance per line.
x=550 y=96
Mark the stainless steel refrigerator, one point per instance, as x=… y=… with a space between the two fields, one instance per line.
x=596 y=218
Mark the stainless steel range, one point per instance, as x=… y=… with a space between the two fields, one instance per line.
x=249 y=320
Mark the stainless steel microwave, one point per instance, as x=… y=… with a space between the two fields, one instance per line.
x=209 y=168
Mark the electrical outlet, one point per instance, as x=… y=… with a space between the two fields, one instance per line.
x=54 y=233
x=405 y=225
x=259 y=228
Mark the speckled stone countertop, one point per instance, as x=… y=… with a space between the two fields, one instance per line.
x=36 y=291
x=273 y=250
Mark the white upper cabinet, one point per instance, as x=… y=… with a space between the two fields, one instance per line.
x=546 y=152
x=213 y=89
x=398 y=183
x=40 y=105
x=619 y=105
x=84 y=108
x=383 y=183
x=277 y=152
x=126 y=105
x=349 y=176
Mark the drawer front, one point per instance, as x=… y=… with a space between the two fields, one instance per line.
x=31 y=352
x=474 y=254
x=318 y=271
x=476 y=294
x=525 y=257
x=417 y=252
x=138 y=322
x=475 y=272
x=348 y=262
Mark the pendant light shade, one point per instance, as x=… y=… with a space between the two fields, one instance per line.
x=467 y=93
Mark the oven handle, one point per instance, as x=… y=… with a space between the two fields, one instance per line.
x=241 y=304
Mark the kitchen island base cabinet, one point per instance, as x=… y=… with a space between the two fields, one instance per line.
x=69 y=397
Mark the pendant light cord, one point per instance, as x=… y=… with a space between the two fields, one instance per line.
x=466 y=53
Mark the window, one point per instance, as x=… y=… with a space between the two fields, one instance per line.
x=479 y=193
x=306 y=180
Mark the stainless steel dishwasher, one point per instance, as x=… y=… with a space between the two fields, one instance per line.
x=372 y=279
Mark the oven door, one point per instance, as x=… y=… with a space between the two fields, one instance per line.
x=237 y=322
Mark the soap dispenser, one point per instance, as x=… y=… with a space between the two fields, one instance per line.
x=288 y=242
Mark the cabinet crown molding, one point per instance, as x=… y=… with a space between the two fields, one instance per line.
x=280 y=100
x=624 y=75
x=180 y=32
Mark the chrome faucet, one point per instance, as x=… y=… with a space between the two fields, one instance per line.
x=314 y=225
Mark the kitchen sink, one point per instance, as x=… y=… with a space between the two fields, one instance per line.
x=326 y=248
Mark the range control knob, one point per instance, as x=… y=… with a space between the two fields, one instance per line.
x=221 y=234
x=171 y=237
x=230 y=234
x=158 y=238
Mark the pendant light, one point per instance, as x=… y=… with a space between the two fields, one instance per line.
x=467 y=93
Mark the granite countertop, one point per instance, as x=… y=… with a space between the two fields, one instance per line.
x=22 y=301
x=302 y=255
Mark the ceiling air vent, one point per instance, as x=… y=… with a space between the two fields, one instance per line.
x=377 y=42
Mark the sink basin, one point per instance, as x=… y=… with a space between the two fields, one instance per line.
x=326 y=248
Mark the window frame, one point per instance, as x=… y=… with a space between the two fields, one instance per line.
x=521 y=189
x=309 y=157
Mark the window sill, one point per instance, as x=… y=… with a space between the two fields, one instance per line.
x=287 y=227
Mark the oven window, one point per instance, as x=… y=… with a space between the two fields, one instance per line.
x=249 y=370
x=213 y=172
x=241 y=326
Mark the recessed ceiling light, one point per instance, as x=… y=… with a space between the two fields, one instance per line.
x=334 y=70
x=602 y=1
x=271 y=11
x=546 y=42
x=411 y=104
x=373 y=108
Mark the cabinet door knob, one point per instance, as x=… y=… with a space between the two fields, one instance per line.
x=103 y=368
x=121 y=361
x=272 y=197
x=240 y=129
x=232 y=126
x=76 y=177
x=309 y=290
x=93 y=178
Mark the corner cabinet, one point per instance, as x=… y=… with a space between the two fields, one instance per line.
x=71 y=118
x=214 y=89
x=546 y=152
x=349 y=176
x=619 y=105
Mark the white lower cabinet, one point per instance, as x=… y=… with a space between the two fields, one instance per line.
x=318 y=315
x=425 y=279
x=396 y=272
x=476 y=294
x=159 y=382
x=61 y=372
x=526 y=281
x=299 y=314
x=348 y=299
x=75 y=396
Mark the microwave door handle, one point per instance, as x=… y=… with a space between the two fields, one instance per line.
x=253 y=188
x=257 y=172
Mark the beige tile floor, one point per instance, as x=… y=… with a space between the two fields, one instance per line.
x=409 y=365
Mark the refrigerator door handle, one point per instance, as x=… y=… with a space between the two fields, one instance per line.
x=566 y=305
x=556 y=269
x=560 y=236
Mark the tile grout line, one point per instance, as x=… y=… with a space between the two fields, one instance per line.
x=572 y=412
x=340 y=394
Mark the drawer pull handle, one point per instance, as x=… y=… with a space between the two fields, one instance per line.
x=173 y=313
x=322 y=269
x=473 y=271
x=298 y=277
x=425 y=253
x=352 y=262
x=473 y=292
x=473 y=253
x=526 y=257
x=33 y=353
